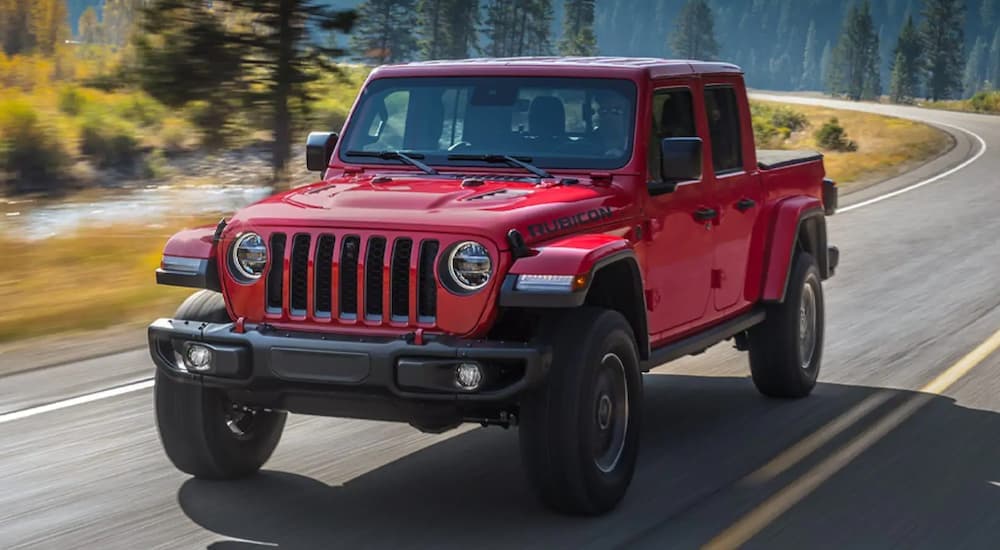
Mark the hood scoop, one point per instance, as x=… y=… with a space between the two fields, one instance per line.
x=499 y=194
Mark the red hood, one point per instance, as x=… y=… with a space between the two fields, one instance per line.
x=411 y=202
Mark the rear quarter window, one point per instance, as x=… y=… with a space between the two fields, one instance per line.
x=723 y=114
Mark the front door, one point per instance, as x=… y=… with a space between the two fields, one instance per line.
x=680 y=253
x=736 y=189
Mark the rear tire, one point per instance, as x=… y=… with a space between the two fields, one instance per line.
x=203 y=433
x=787 y=348
x=579 y=432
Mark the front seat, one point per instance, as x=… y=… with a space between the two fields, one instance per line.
x=547 y=117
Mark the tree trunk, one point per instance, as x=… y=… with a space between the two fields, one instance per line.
x=282 y=88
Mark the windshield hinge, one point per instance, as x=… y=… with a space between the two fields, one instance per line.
x=353 y=170
x=600 y=178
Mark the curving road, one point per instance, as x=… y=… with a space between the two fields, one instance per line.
x=898 y=445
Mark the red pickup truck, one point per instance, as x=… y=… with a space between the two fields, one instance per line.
x=509 y=242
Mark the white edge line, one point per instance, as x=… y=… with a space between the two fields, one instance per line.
x=148 y=383
x=928 y=181
x=78 y=400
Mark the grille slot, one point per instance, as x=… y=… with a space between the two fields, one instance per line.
x=275 y=275
x=427 y=297
x=324 y=271
x=400 y=279
x=349 y=276
x=299 y=272
x=373 y=277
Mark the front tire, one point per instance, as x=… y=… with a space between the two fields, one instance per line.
x=203 y=433
x=787 y=348
x=579 y=433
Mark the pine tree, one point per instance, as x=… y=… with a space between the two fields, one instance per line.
x=432 y=16
x=386 y=31
x=463 y=23
x=578 y=28
x=810 y=70
x=267 y=64
x=906 y=66
x=973 y=76
x=518 y=27
x=120 y=17
x=15 y=33
x=943 y=35
x=824 y=63
x=854 y=66
x=993 y=64
x=872 y=89
x=89 y=27
x=48 y=24
x=694 y=33
x=447 y=28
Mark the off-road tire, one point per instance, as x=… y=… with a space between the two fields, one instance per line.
x=560 y=428
x=192 y=419
x=779 y=364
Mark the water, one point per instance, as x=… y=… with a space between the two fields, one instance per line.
x=151 y=207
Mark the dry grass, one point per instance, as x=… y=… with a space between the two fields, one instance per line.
x=887 y=146
x=92 y=279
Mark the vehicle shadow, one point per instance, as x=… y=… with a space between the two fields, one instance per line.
x=700 y=438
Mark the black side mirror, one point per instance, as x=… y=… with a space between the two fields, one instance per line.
x=319 y=149
x=680 y=161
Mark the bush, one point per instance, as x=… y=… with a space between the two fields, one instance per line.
x=109 y=141
x=833 y=137
x=71 y=100
x=140 y=109
x=773 y=124
x=31 y=157
x=986 y=102
x=175 y=135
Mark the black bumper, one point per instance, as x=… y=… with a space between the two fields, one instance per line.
x=358 y=377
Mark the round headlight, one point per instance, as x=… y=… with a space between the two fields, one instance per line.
x=249 y=256
x=469 y=265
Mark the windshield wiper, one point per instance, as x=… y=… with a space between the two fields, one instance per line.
x=408 y=158
x=521 y=162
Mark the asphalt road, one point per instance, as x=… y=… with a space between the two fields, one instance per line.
x=917 y=290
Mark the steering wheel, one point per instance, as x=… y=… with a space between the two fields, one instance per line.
x=460 y=145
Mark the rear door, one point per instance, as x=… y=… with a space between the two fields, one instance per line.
x=735 y=187
x=680 y=255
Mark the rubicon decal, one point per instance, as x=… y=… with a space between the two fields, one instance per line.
x=567 y=222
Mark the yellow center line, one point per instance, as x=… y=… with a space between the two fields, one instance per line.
x=762 y=516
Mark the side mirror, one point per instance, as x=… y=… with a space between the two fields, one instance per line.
x=680 y=159
x=319 y=149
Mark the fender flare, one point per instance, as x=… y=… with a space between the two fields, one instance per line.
x=189 y=260
x=573 y=256
x=791 y=216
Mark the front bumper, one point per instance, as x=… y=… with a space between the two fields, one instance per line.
x=350 y=376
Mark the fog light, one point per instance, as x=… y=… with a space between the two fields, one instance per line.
x=468 y=376
x=197 y=357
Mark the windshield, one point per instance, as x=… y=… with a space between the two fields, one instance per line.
x=550 y=122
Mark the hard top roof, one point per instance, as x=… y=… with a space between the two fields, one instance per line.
x=651 y=66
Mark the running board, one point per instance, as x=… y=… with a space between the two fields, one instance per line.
x=703 y=340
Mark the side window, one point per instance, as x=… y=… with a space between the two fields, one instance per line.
x=724 y=128
x=673 y=116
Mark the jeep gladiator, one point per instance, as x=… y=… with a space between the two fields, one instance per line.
x=508 y=242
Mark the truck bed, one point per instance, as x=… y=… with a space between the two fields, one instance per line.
x=769 y=159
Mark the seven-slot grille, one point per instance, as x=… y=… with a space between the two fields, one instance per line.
x=348 y=277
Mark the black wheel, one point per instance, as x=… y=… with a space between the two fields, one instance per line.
x=203 y=433
x=787 y=348
x=580 y=432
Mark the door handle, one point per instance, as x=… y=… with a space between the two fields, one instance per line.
x=705 y=214
x=745 y=204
